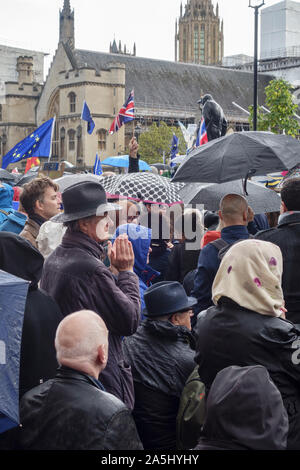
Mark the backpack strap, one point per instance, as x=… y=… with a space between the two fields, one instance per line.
x=219 y=244
x=4 y=212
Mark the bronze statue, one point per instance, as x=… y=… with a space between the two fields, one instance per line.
x=215 y=122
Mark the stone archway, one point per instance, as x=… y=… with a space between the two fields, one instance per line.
x=53 y=110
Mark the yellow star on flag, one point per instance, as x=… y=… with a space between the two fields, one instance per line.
x=34 y=146
x=29 y=151
x=32 y=135
x=37 y=139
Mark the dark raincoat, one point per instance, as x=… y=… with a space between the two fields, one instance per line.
x=229 y=334
x=244 y=411
x=77 y=279
x=161 y=358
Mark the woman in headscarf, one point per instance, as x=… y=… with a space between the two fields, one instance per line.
x=247 y=325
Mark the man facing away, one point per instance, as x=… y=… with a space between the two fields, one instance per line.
x=162 y=357
x=287 y=236
x=234 y=214
x=40 y=201
x=73 y=411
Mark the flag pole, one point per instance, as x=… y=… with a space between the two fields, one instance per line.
x=53 y=124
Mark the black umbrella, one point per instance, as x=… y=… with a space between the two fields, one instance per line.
x=239 y=155
x=161 y=166
x=26 y=178
x=68 y=179
x=8 y=177
x=210 y=194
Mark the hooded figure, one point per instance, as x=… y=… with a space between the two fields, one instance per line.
x=244 y=411
x=10 y=219
x=140 y=238
x=41 y=317
x=6 y=199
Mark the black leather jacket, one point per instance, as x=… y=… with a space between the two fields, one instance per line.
x=72 y=412
x=287 y=237
x=229 y=334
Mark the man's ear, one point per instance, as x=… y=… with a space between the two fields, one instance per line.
x=82 y=225
x=102 y=354
x=174 y=319
x=283 y=208
x=38 y=205
x=220 y=215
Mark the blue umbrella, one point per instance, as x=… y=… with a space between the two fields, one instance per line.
x=13 y=293
x=123 y=162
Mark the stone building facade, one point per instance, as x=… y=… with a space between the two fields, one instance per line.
x=21 y=76
x=164 y=91
x=199 y=35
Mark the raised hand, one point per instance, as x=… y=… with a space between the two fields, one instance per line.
x=121 y=254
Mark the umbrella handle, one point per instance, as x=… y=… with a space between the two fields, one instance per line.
x=248 y=175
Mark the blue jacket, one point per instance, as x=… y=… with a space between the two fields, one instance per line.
x=14 y=222
x=6 y=198
x=208 y=265
x=140 y=237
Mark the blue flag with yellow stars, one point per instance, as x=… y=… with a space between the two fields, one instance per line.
x=37 y=144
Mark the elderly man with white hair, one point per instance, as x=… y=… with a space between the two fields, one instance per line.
x=73 y=411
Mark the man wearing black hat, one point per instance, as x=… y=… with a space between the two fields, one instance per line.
x=76 y=277
x=161 y=355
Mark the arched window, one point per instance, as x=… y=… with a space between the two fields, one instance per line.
x=62 y=135
x=72 y=136
x=79 y=156
x=101 y=139
x=196 y=43
x=202 y=44
x=72 y=100
x=3 y=144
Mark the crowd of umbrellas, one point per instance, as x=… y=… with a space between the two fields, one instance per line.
x=204 y=176
x=209 y=172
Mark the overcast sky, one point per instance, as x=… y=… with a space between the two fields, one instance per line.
x=33 y=24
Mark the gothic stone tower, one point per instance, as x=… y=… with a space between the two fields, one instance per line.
x=66 y=25
x=199 y=34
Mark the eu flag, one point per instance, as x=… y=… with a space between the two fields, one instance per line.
x=97 y=167
x=86 y=116
x=174 y=148
x=37 y=144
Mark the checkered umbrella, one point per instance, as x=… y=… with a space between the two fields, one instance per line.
x=146 y=187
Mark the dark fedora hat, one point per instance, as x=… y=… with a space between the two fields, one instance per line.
x=83 y=199
x=166 y=298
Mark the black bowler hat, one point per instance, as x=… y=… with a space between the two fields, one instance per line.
x=83 y=199
x=166 y=298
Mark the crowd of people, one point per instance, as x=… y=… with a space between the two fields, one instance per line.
x=121 y=312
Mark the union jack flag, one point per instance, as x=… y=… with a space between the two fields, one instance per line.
x=126 y=114
x=202 y=134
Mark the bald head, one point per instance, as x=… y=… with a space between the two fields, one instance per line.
x=81 y=342
x=234 y=210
